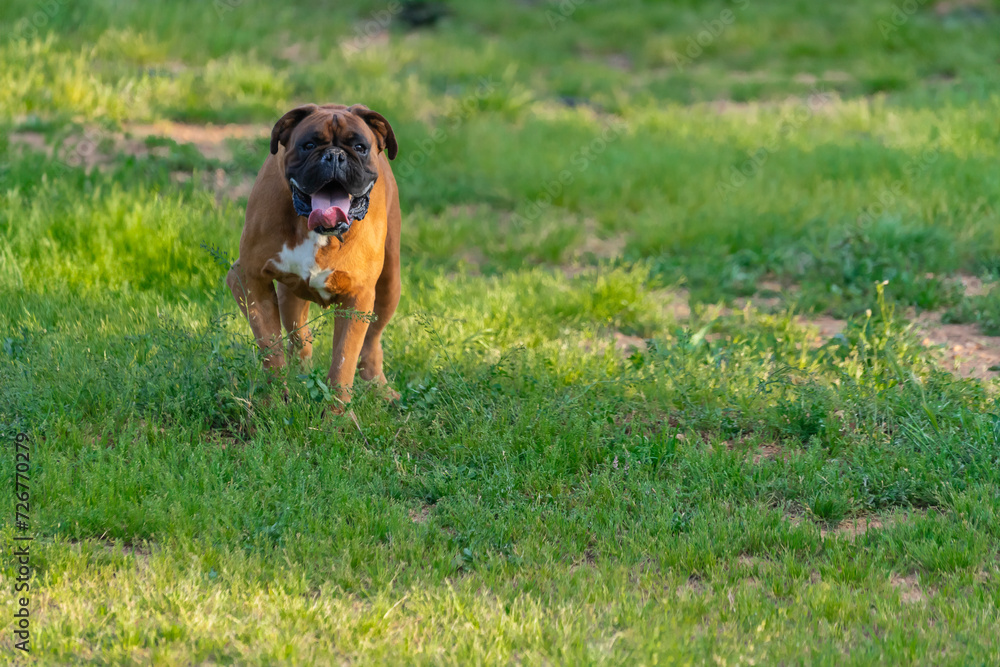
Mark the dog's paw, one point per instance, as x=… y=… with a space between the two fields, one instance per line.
x=335 y=409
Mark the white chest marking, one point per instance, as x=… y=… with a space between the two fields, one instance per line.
x=301 y=261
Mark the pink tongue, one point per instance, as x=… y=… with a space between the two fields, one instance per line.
x=328 y=209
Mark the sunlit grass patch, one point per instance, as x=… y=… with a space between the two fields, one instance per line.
x=630 y=430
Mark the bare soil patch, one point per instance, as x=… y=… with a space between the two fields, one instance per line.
x=224 y=185
x=603 y=248
x=210 y=140
x=421 y=515
x=826 y=327
x=965 y=350
x=676 y=303
x=946 y=8
x=33 y=140
x=96 y=148
x=851 y=529
x=623 y=343
x=974 y=286
x=298 y=51
x=82 y=150
x=628 y=344
x=909 y=588
x=767 y=452
x=366 y=42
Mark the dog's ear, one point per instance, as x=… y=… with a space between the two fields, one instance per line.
x=283 y=128
x=380 y=126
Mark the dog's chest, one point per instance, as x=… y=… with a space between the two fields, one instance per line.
x=303 y=261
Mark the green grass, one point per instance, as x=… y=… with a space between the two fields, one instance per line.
x=537 y=496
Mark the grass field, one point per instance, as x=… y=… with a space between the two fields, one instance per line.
x=678 y=351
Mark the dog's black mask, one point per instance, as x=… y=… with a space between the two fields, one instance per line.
x=331 y=162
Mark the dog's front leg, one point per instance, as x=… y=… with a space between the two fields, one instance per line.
x=258 y=300
x=348 y=337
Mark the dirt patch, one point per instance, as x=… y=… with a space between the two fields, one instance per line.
x=909 y=588
x=623 y=344
x=143 y=551
x=97 y=148
x=965 y=350
x=824 y=328
x=366 y=42
x=752 y=563
x=210 y=140
x=421 y=515
x=693 y=586
x=837 y=76
x=973 y=286
x=676 y=303
x=227 y=187
x=88 y=149
x=32 y=140
x=771 y=296
x=829 y=76
x=767 y=452
x=619 y=61
x=975 y=8
x=473 y=258
x=299 y=51
x=603 y=248
x=851 y=529
x=819 y=103
x=222 y=438
x=139 y=552
x=224 y=185
x=629 y=344
x=770 y=286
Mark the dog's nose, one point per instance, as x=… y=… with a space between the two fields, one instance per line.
x=335 y=155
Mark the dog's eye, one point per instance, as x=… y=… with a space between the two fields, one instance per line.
x=361 y=148
x=308 y=146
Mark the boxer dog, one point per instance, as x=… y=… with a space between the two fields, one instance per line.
x=322 y=225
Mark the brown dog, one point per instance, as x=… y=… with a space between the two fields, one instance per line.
x=322 y=225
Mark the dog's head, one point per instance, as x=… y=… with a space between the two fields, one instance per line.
x=331 y=161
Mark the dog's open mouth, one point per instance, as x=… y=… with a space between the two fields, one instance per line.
x=326 y=208
x=331 y=209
